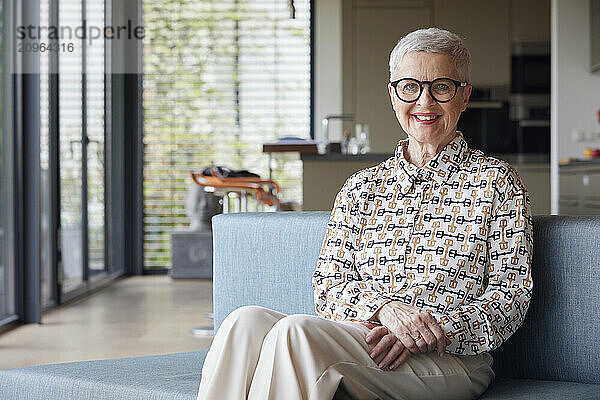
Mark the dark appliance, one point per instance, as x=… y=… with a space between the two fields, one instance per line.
x=530 y=74
x=530 y=121
x=485 y=126
x=529 y=111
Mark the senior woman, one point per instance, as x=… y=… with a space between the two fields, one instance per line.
x=424 y=269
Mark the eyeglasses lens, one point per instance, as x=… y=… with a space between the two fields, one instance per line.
x=441 y=89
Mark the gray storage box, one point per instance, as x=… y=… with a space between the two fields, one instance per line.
x=191 y=254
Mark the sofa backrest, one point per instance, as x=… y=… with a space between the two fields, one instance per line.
x=268 y=259
x=559 y=338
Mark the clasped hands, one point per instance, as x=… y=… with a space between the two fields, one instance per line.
x=404 y=331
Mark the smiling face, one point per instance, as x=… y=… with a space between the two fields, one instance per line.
x=426 y=120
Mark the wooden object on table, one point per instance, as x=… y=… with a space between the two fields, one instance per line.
x=301 y=146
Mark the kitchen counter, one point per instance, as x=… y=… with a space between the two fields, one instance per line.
x=376 y=158
x=580 y=162
x=324 y=175
x=579 y=186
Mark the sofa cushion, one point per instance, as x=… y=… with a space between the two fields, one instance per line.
x=526 y=389
x=165 y=377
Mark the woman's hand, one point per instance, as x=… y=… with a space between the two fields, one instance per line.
x=417 y=330
x=385 y=343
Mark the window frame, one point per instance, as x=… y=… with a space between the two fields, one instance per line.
x=10 y=110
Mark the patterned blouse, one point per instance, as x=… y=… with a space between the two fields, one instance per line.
x=453 y=238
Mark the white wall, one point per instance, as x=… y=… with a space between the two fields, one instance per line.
x=575 y=90
x=328 y=60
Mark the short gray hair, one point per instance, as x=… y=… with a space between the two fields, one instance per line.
x=434 y=40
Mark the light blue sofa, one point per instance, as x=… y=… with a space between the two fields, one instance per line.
x=268 y=259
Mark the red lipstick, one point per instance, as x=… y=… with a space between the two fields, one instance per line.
x=426 y=118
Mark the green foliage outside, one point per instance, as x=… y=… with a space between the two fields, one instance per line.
x=220 y=79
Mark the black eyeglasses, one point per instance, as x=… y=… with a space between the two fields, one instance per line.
x=441 y=89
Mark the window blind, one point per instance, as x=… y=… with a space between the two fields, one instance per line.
x=220 y=79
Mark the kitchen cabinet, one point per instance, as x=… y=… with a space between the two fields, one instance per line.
x=530 y=21
x=371 y=29
x=324 y=175
x=595 y=34
x=536 y=178
x=486 y=29
x=579 y=189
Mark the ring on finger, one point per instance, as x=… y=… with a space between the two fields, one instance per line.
x=417 y=337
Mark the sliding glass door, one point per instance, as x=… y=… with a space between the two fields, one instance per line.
x=94 y=95
x=71 y=151
x=73 y=132
x=81 y=148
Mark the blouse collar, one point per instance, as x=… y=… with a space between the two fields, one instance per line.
x=439 y=169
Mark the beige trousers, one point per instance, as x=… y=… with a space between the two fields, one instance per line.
x=260 y=354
